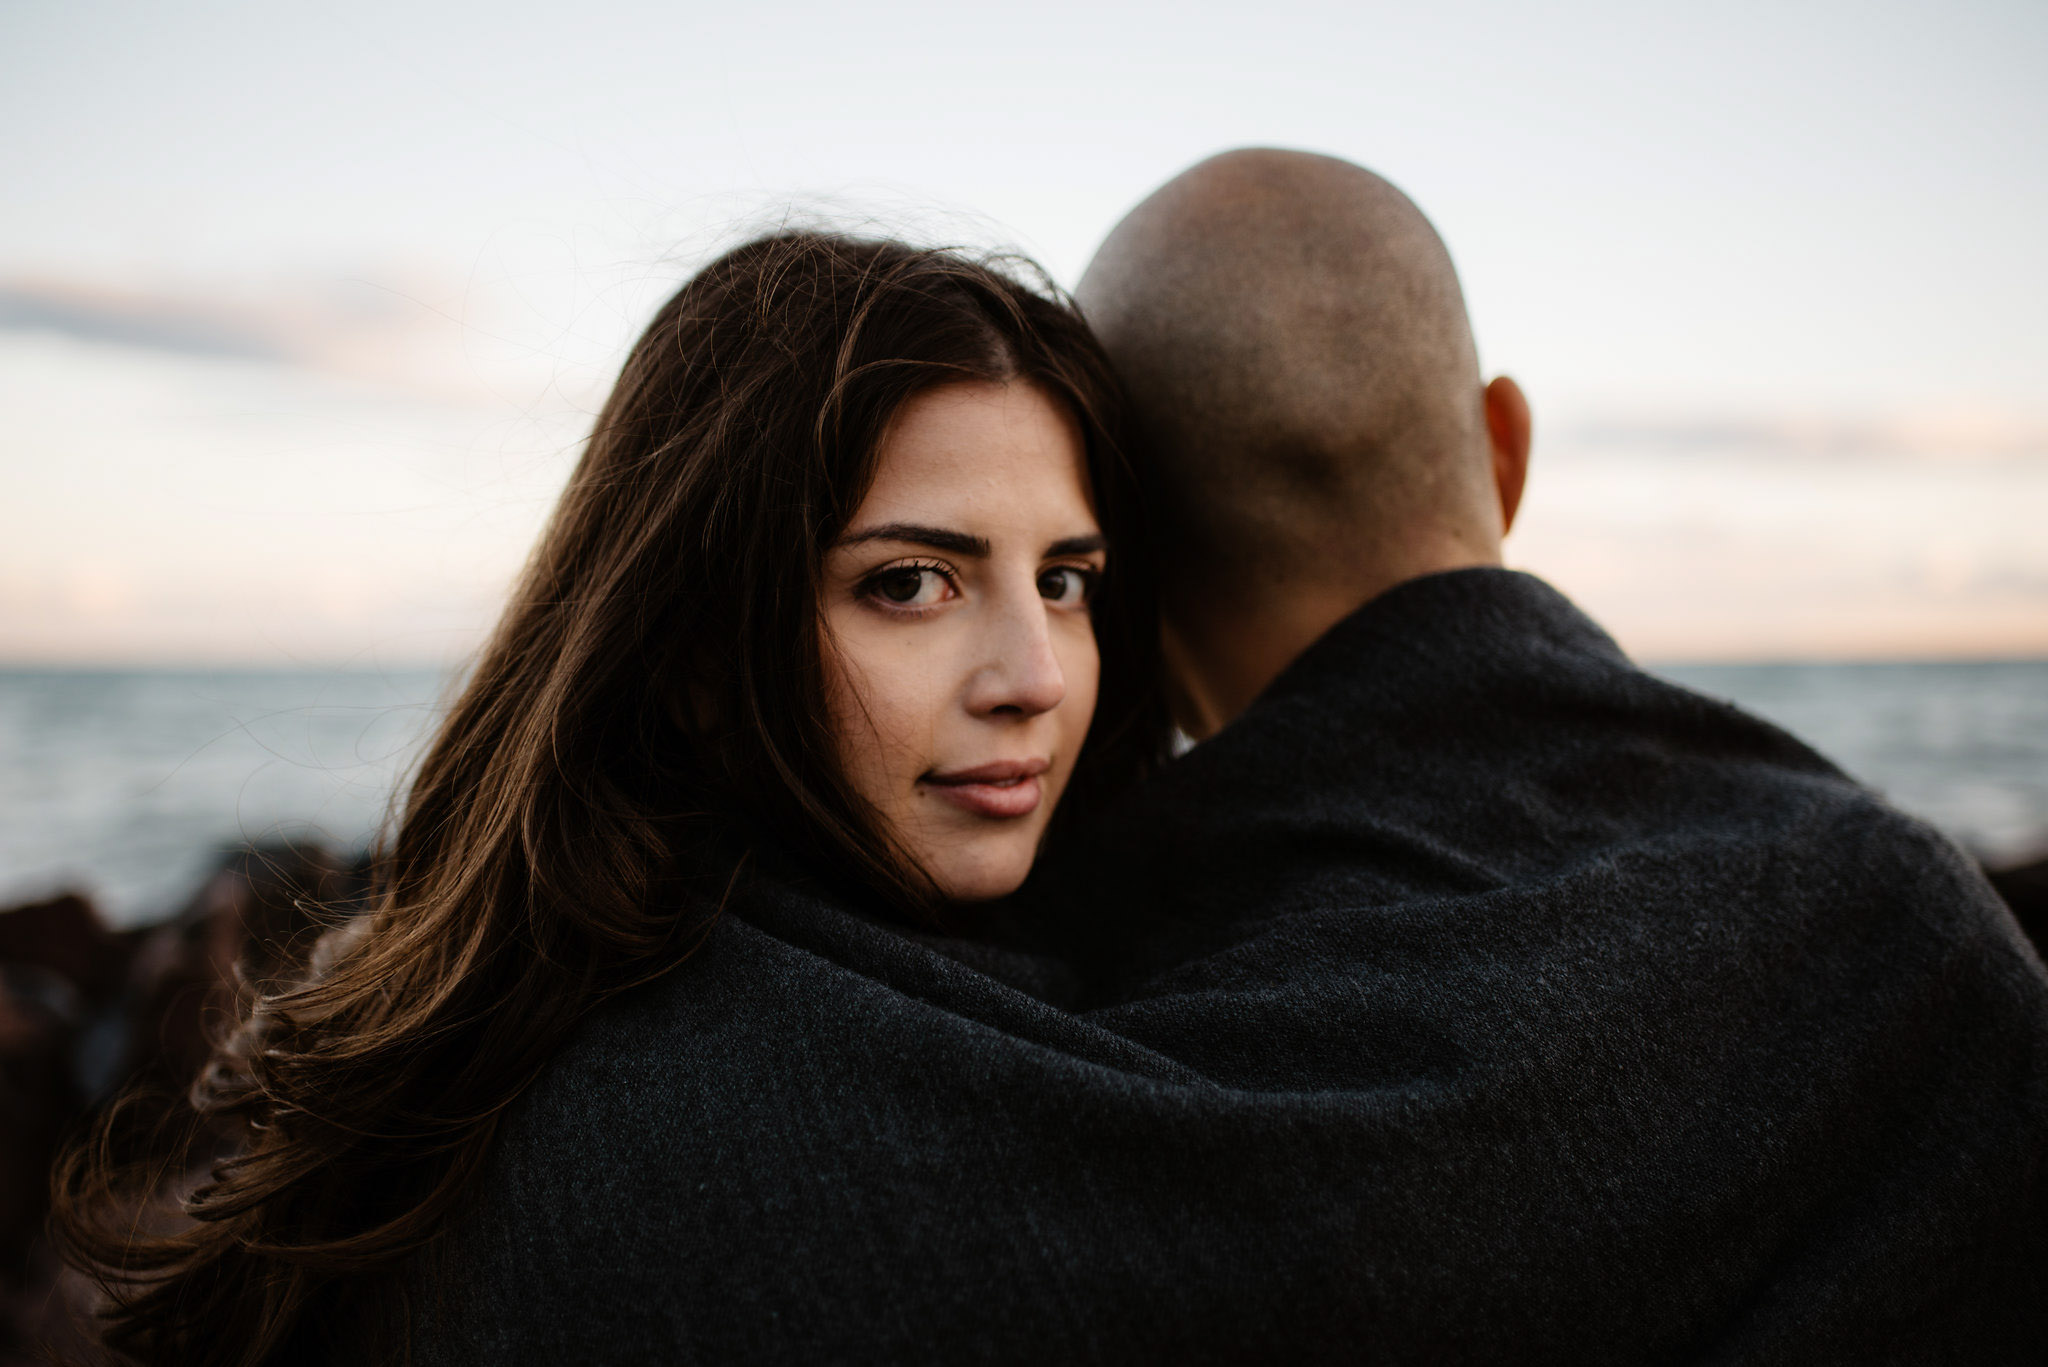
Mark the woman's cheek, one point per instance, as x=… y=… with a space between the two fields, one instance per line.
x=902 y=697
x=1081 y=664
x=859 y=728
x=1082 y=667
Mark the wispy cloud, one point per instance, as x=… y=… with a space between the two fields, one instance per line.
x=1952 y=434
x=420 y=335
x=155 y=324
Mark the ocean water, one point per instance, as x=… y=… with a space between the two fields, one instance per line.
x=124 y=784
x=1964 y=745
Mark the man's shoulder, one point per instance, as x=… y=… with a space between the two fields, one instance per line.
x=1474 y=726
x=1473 y=735
x=1484 y=656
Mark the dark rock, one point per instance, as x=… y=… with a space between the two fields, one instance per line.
x=248 y=928
x=58 y=963
x=84 y=1010
x=39 y=1099
x=66 y=936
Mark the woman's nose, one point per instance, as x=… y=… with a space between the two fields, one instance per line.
x=1020 y=674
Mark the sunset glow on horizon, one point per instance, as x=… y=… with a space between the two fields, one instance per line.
x=303 y=317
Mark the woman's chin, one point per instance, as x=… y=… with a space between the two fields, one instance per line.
x=964 y=876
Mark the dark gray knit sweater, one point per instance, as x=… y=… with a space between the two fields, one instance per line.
x=1474 y=998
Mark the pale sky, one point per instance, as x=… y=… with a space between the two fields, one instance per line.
x=302 y=310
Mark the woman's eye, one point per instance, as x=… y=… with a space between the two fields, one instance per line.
x=911 y=586
x=1066 y=584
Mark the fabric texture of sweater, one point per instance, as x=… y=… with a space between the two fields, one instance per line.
x=1474 y=997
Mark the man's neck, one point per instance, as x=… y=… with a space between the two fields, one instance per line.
x=1222 y=655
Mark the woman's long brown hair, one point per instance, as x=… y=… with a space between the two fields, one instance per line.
x=645 y=714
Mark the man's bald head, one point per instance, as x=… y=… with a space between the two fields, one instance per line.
x=1299 y=359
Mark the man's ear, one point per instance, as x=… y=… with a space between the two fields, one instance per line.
x=1509 y=431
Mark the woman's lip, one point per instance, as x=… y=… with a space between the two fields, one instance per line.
x=995 y=771
x=1003 y=789
x=1019 y=797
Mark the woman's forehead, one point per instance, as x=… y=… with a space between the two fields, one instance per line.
x=995 y=455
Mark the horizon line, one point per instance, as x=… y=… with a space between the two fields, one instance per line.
x=445 y=665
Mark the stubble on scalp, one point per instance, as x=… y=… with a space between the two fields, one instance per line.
x=1301 y=368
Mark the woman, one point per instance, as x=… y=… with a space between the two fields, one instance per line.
x=832 y=593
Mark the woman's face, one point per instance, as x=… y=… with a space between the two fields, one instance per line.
x=960 y=658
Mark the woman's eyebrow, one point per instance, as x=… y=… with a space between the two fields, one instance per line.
x=938 y=538
x=1079 y=545
x=962 y=543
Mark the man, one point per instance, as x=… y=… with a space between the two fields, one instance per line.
x=1295 y=341
x=1624 y=1027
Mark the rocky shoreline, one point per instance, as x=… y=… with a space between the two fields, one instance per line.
x=86 y=1011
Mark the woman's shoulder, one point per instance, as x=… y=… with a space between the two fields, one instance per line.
x=784 y=973
x=726 y=1092
x=715 y=1000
